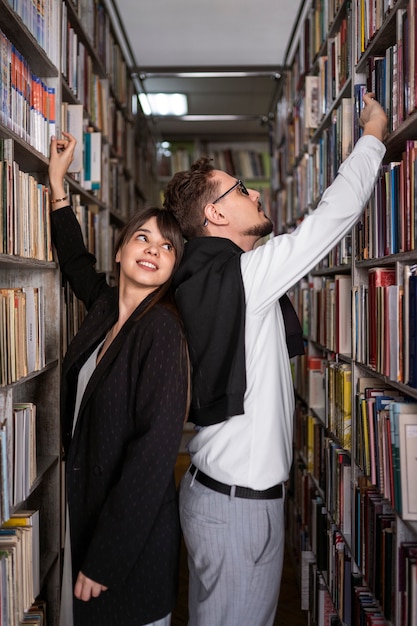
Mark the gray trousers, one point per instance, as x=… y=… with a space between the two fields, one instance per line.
x=235 y=556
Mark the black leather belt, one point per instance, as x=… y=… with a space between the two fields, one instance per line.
x=240 y=492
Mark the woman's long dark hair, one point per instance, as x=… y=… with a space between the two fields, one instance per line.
x=170 y=231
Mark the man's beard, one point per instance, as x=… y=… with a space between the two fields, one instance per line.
x=260 y=230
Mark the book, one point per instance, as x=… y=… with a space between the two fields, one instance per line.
x=4 y=472
x=377 y=277
x=407 y=425
x=343 y=284
x=29 y=520
x=307 y=557
x=24 y=436
x=316 y=367
x=394 y=319
x=387 y=593
x=396 y=409
x=32 y=328
x=312 y=116
x=72 y=121
x=407 y=556
x=412 y=326
x=92 y=161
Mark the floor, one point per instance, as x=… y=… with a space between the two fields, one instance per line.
x=288 y=613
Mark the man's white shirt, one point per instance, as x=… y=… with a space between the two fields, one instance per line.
x=255 y=449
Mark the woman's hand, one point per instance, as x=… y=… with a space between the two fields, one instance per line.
x=85 y=588
x=61 y=156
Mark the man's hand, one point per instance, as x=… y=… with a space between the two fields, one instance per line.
x=85 y=588
x=373 y=118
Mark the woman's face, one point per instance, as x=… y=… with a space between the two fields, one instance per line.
x=147 y=259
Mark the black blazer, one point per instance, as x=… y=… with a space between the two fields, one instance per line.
x=119 y=463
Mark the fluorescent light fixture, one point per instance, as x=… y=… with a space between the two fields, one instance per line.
x=215 y=118
x=144 y=103
x=164 y=103
x=219 y=118
x=208 y=74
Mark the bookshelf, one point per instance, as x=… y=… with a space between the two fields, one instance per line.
x=352 y=513
x=81 y=69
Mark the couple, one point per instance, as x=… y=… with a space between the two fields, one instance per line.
x=125 y=393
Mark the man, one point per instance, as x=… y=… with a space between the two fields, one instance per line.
x=228 y=292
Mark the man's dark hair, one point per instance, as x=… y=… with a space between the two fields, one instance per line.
x=187 y=193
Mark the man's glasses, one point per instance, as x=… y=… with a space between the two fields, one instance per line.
x=235 y=186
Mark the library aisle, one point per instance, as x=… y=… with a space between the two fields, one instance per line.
x=288 y=612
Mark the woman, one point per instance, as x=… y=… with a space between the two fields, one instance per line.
x=123 y=403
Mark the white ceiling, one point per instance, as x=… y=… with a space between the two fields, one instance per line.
x=171 y=36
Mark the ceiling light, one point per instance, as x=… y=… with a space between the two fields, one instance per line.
x=216 y=118
x=143 y=75
x=164 y=103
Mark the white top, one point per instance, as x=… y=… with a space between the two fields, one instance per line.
x=255 y=449
x=66 y=612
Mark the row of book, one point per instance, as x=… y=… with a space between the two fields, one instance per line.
x=245 y=163
x=319 y=18
x=78 y=70
x=99 y=237
x=102 y=45
x=386 y=564
x=385 y=442
x=41 y=18
x=95 y=24
x=374 y=322
x=22 y=332
x=388 y=225
x=121 y=191
x=248 y=163
x=18 y=467
x=338 y=402
x=92 y=166
x=327 y=312
x=87 y=162
x=111 y=180
x=391 y=227
x=384 y=326
x=333 y=70
x=24 y=210
x=330 y=465
x=341 y=254
x=172 y=159
x=97 y=232
x=391 y=75
x=121 y=86
x=338 y=498
x=27 y=102
x=28 y=109
x=372 y=16
x=327 y=579
x=309 y=105
x=106 y=112
x=20 y=570
x=399 y=62
x=312 y=174
x=73 y=313
x=92 y=89
x=357 y=581
x=324 y=308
